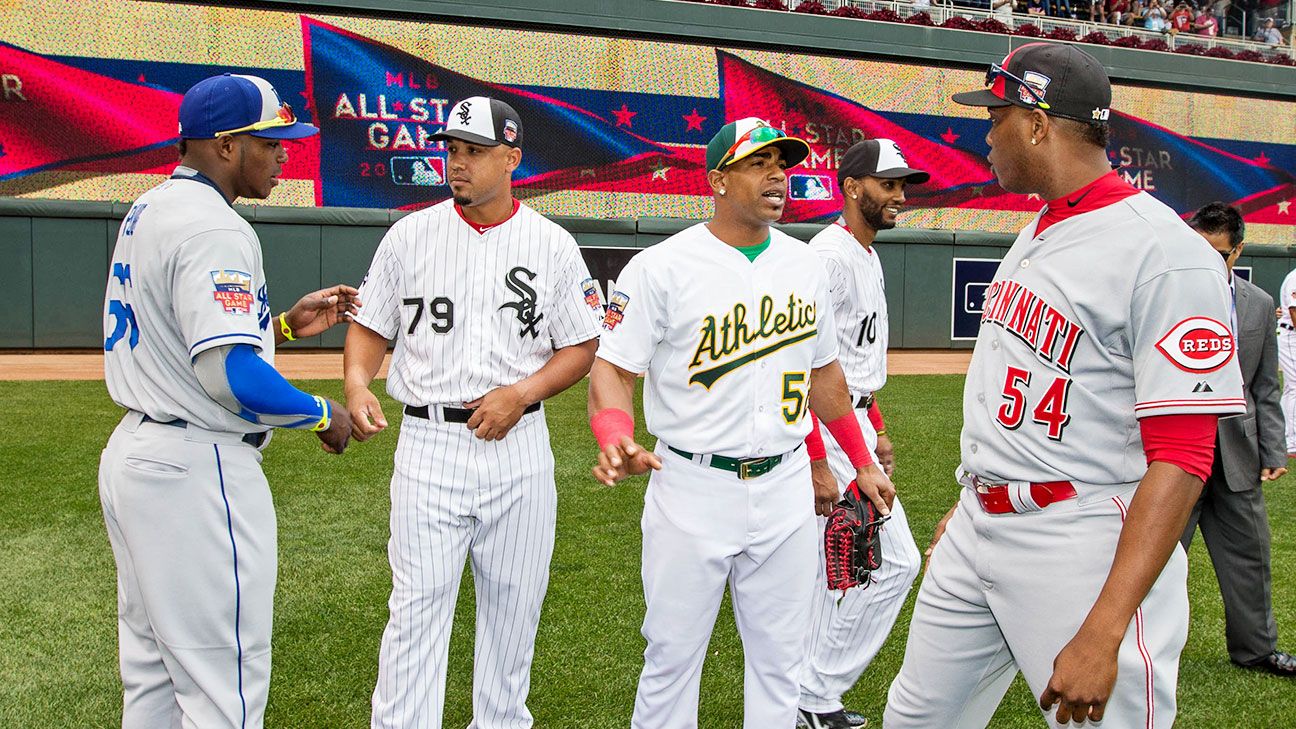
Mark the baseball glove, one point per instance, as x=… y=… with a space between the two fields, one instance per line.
x=852 y=541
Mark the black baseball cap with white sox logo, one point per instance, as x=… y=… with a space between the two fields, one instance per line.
x=878 y=158
x=1059 y=79
x=483 y=121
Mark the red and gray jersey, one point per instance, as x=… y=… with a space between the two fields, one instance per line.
x=471 y=308
x=1287 y=298
x=186 y=277
x=1106 y=317
x=859 y=306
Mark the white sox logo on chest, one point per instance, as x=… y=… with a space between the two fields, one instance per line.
x=1053 y=338
x=526 y=306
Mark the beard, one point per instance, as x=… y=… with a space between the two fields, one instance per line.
x=875 y=215
x=462 y=200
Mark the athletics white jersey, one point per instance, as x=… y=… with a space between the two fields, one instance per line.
x=859 y=306
x=728 y=344
x=472 y=311
x=1106 y=317
x=1287 y=298
x=186 y=277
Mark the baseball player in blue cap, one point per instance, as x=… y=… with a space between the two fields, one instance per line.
x=189 y=343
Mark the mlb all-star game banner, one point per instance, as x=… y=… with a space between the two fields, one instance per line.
x=613 y=127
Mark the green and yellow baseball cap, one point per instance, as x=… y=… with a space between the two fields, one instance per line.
x=739 y=139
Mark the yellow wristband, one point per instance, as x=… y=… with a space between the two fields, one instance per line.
x=882 y=432
x=324 y=422
x=287 y=330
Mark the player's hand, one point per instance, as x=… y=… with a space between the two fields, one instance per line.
x=1272 y=474
x=618 y=461
x=874 y=484
x=826 y=493
x=334 y=438
x=940 y=532
x=367 y=418
x=1083 y=676
x=495 y=414
x=886 y=455
x=316 y=312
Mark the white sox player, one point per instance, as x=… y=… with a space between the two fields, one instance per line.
x=847 y=630
x=1103 y=361
x=733 y=325
x=1287 y=355
x=189 y=351
x=493 y=310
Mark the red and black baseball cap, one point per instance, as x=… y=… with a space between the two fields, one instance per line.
x=1059 y=79
x=483 y=121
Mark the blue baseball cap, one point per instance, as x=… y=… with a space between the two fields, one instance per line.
x=237 y=104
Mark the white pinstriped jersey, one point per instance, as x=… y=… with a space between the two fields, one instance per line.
x=1106 y=317
x=186 y=277
x=472 y=311
x=1287 y=297
x=728 y=344
x=859 y=306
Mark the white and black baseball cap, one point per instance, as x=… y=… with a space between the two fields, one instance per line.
x=878 y=158
x=484 y=121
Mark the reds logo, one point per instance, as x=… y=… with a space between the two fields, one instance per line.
x=1198 y=344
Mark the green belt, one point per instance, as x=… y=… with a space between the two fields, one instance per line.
x=745 y=467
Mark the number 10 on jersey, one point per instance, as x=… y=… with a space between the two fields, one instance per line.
x=1049 y=412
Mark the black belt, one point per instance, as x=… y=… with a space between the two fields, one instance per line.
x=864 y=402
x=745 y=467
x=454 y=415
x=1286 y=326
x=253 y=439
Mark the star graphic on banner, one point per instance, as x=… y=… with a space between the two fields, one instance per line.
x=949 y=136
x=694 y=121
x=141 y=78
x=1284 y=207
x=587 y=172
x=1262 y=159
x=623 y=116
x=398 y=105
x=660 y=169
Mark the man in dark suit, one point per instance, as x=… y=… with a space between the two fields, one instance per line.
x=1249 y=450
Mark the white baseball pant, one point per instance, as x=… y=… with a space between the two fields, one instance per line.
x=1007 y=592
x=704 y=528
x=1287 y=363
x=455 y=496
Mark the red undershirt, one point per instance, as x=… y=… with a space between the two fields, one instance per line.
x=482 y=228
x=1108 y=189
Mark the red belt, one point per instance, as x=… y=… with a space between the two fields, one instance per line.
x=998 y=498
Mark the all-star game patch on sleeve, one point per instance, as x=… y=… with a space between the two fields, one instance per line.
x=219 y=291
x=578 y=308
x=635 y=320
x=380 y=289
x=1185 y=358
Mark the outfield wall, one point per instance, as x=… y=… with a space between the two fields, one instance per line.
x=56 y=258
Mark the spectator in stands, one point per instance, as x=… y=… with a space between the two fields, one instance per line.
x=1096 y=10
x=1116 y=10
x=1181 y=19
x=1220 y=9
x=1059 y=8
x=1002 y=11
x=922 y=6
x=1155 y=17
x=1035 y=7
x=1206 y=25
x=1270 y=8
x=1137 y=12
x=1268 y=33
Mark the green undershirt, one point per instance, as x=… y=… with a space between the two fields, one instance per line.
x=752 y=251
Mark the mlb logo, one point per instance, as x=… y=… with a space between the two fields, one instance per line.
x=421 y=171
x=810 y=187
x=510 y=131
x=615 y=310
x=590 y=288
x=1037 y=81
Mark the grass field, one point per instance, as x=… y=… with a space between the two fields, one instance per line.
x=58 y=655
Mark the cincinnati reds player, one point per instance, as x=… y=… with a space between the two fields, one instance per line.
x=847 y=630
x=493 y=310
x=189 y=351
x=732 y=322
x=1287 y=355
x=1103 y=361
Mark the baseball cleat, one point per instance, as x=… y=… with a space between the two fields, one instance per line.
x=856 y=719
x=831 y=720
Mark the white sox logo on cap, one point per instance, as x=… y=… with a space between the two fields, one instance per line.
x=1198 y=344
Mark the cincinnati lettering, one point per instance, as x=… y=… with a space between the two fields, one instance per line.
x=725 y=336
x=1028 y=316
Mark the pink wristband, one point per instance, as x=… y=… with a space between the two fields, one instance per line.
x=814 y=442
x=846 y=431
x=875 y=417
x=610 y=425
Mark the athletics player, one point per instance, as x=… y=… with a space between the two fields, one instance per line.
x=1287 y=356
x=493 y=310
x=1104 y=358
x=189 y=351
x=847 y=630
x=733 y=324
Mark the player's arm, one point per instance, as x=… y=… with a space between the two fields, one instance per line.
x=317 y=312
x=830 y=401
x=238 y=379
x=362 y=355
x=611 y=413
x=826 y=492
x=885 y=449
x=500 y=409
